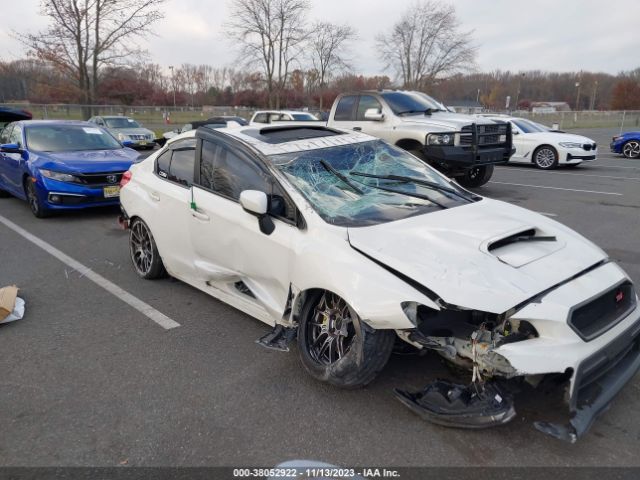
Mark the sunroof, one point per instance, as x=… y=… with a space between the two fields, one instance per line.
x=275 y=135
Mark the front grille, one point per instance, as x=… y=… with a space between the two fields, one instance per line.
x=589 y=146
x=100 y=179
x=487 y=134
x=603 y=312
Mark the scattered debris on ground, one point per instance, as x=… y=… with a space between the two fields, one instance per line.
x=11 y=306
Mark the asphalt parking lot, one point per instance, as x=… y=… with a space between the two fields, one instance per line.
x=87 y=380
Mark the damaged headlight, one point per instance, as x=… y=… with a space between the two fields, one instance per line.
x=441 y=138
x=59 y=176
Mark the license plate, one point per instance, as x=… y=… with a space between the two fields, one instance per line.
x=143 y=142
x=110 y=192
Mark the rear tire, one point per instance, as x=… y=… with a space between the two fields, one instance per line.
x=631 y=149
x=545 y=157
x=336 y=347
x=144 y=252
x=476 y=176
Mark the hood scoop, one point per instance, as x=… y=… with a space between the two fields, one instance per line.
x=522 y=247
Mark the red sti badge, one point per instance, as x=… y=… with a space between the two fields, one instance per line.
x=619 y=296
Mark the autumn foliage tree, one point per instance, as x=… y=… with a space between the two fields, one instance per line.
x=85 y=36
x=626 y=92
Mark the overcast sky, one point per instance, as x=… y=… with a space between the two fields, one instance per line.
x=552 y=35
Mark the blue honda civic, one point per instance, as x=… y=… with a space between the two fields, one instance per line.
x=627 y=144
x=62 y=165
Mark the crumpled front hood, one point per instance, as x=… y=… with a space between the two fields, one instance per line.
x=448 y=252
x=445 y=120
x=94 y=161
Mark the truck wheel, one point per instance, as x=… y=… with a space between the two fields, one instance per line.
x=336 y=347
x=476 y=176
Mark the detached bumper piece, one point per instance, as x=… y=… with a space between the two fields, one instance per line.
x=598 y=379
x=460 y=406
x=278 y=339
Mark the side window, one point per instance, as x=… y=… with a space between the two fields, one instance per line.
x=261 y=118
x=162 y=164
x=224 y=172
x=367 y=102
x=6 y=133
x=280 y=205
x=16 y=135
x=344 y=110
x=182 y=164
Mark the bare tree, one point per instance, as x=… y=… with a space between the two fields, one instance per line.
x=84 y=36
x=271 y=33
x=327 y=50
x=427 y=44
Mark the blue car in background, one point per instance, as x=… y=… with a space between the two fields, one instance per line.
x=62 y=165
x=628 y=144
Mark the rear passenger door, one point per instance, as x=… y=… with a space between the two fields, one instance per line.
x=345 y=114
x=169 y=195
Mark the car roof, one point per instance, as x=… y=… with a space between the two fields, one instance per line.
x=290 y=112
x=57 y=122
x=279 y=139
x=113 y=116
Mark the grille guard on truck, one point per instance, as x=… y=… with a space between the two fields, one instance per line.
x=477 y=147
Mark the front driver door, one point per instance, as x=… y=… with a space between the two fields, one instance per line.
x=231 y=254
x=13 y=163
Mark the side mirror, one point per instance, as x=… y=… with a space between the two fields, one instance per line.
x=373 y=114
x=128 y=143
x=256 y=203
x=515 y=132
x=10 y=148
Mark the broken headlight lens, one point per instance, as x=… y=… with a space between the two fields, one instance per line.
x=441 y=138
x=59 y=176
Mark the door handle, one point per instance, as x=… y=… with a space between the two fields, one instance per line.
x=154 y=196
x=199 y=216
x=357 y=129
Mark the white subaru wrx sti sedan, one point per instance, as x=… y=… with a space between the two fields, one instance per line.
x=352 y=245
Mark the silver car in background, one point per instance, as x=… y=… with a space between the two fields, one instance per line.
x=126 y=129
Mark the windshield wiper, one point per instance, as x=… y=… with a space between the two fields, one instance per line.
x=419 y=181
x=329 y=168
x=410 y=194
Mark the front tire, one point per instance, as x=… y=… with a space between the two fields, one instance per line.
x=476 y=176
x=545 y=157
x=35 y=204
x=631 y=149
x=144 y=252
x=336 y=347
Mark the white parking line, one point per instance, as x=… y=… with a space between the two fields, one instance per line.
x=85 y=272
x=574 y=174
x=557 y=188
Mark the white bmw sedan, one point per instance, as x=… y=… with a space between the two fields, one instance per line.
x=351 y=246
x=545 y=148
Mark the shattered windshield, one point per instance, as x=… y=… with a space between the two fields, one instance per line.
x=367 y=183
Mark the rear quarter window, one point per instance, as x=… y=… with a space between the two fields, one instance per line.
x=344 y=110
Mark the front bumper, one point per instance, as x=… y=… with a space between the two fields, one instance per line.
x=57 y=195
x=597 y=381
x=468 y=157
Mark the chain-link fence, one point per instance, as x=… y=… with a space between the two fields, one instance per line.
x=164 y=118
x=157 y=118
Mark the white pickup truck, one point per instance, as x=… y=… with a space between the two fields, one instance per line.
x=460 y=146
